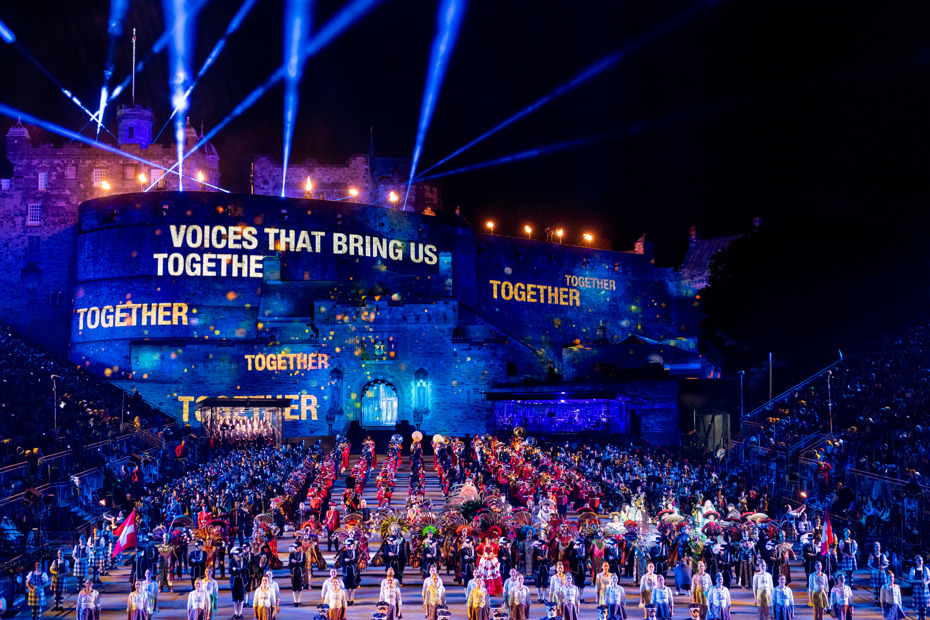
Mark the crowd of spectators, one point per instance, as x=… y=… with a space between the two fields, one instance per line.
x=33 y=424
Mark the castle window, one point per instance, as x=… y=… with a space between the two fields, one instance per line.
x=158 y=177
x=100 y=175
x=131 y=132
x=33 y=249
x=43 y=181
x=34 y=215
x=129 y=172
x=4 y=184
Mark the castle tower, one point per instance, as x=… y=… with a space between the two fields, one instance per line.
x=134 y=125
x=18 y=140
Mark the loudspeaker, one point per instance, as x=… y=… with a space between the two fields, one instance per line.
x=31 y=496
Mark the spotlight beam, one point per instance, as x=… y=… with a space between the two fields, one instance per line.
x=594 y=70
x=338 y=24
x=448 y=23
x=67 y=133
x=296 y=32
x=214 y=54
x=118 y=10
x=179 y=78
x=6 y=34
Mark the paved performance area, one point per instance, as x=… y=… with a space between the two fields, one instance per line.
x=115 y=588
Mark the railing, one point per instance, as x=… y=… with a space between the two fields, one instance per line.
x=766 y=406
x=56 y=467
x=12 y=473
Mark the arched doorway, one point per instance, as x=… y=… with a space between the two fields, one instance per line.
x=379 y=404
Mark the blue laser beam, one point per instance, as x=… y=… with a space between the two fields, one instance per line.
x=594 y=70
x=118 y=10
x=67 y=133
x=296 y=32
x=179 y=79
x=10 y=38
x=237 y=20
x=448 y=23
x=338 y=24
x=6 y=34
x=160 y=43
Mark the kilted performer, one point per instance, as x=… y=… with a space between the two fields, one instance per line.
x=79 y=557
x=878 y=564
x=88 y=603
x=59 y=571
x=849 y=552
x=920 y=577
x=36 y=582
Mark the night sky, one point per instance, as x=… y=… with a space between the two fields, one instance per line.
x=782 y=110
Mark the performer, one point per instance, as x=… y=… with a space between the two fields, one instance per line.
x=519 y=600
x=783 y=600
x=890 y=599
x=336 y=602
x=331 y=523
x=762 y=591
x=237 y=581
x=166 y=554
x=431 y=551
x=784 y=553
x=88 y=603
x=556 y=587
x=747 y=560
x=489 y=570
x=467 y=557
x=59 y=571
x=351 y=577
x=647 y=584
x=571 y=600
x=920 y=577
x=719 y=601
x=250 y=573
x=616 y=600
x=579 y=564
x=700 y=586
x=478 y=602
x=849 y=552
x=878 y=564
x=150 y=587
x=198 y=562
x=212 y=589
x=392 y=554
x=275 y=591
x=79 y=557
x=818 y=591
x=509 y=583
x=841 y=599
x=264 y=603
x=663 y=600
x=36 y=582
x=328 y=583
x=198 y=602
x=434 y=594
x=296 y=564
x=390 y=594
x=541 y=569
x=137 y=606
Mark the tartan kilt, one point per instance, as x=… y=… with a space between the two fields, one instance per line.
x=876 y=579
x=921 y=597
x=100 y=558
x=36 y=598
x=849 y=563
x=58 y=585
x=80 y=571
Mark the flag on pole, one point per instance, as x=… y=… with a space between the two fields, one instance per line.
x=126 y=537
x=828 y=539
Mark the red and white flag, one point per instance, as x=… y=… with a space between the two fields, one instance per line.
x=828 y=538
x=126 y=537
